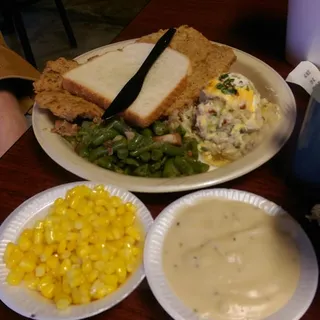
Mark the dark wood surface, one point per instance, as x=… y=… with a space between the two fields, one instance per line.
x=255 y=26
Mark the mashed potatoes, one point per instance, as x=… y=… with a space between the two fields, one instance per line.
x=229 y=118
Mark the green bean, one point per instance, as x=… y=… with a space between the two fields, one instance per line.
x=103 y=136
x=121 y=126
x=135 y=141
x=197 y=166
x=122 y=153
x=132 y=162
x=119 y=142
x=142 y=171
x=181 y=130
x=156 y=154
x=170 y=170
x=105 y=162
x=160 y=128
x=145 y=156
x=120 y=164
x=192 y=148
x=172 y=150
x=147 y=132
x=157 y=174
x=97 y=153
x=127 y=170
x=112 y=124
x=82 y=150
x=146 y=148
x=183 y=166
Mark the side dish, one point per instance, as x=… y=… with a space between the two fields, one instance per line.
x=229 y=260
x=189 y=91
x=148 y=152
x=84 y=249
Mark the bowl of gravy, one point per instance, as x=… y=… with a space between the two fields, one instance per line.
x=225 y=254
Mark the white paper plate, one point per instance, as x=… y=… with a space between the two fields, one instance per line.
x=307 y=285
x=267 y=81
x=29 y=303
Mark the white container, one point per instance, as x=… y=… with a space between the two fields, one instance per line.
x=303 y=32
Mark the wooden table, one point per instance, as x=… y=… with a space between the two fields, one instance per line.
x=255 y=26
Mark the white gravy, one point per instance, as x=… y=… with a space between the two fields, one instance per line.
x=229 y=260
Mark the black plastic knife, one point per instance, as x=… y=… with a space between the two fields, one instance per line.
x=131 y=90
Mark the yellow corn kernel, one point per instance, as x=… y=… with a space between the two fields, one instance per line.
x=38 y=249
x=92 y=276
x=131 y=264
x=99 y=265
x=40 y=270
x=76 y=296
x=72 y=214
x=75 y=259
x=137 y=251
x=9 y=249
x=62 y=301
x=83 y=251
x=86 y=231
x=65 y=285
x=65 y=266
x=79 y=223
x=39 y=225
x=49 y=236
x=117 y=233
x=61 y=209
x=66 y=225
x=47 y=253
x=47 y=290
x=71 y=245
x=125 y=253
x=38 y=236
x=72 y=236
x=28 y=262
x=128 y=219
x=121 y=209
x=133 y=232
x=99 y=209
x=27 y=233
x=14 y=258
x=53 y=262
x=105 y=254
x=110 y=267
x=130 y=207
x=62 y=246
x=115 y=201
x=24 y=243
x=31 y=281
x=95 y=254
x=15 y=277
x=110 y=279
x=86 y=266
x=112 y=212
x=74 y=201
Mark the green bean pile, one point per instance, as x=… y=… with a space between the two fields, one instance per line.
x=116 y=146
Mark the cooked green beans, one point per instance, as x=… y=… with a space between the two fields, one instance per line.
x=116 y=146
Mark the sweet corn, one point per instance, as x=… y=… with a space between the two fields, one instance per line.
x=31 y=281
x=82 y=251
x=15 y=277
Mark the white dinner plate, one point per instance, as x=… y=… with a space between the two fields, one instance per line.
x=307 y=285
x=30 y=303
x=268 y=82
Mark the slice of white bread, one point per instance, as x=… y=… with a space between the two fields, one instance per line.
x=101 y=79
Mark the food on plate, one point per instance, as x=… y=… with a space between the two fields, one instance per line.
x=149 y=152
x=189 y=91
x=84 y=249
x=229 y=119
x=208 y=60
x=51 y=95
x=230 y=260
x=101 y=79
